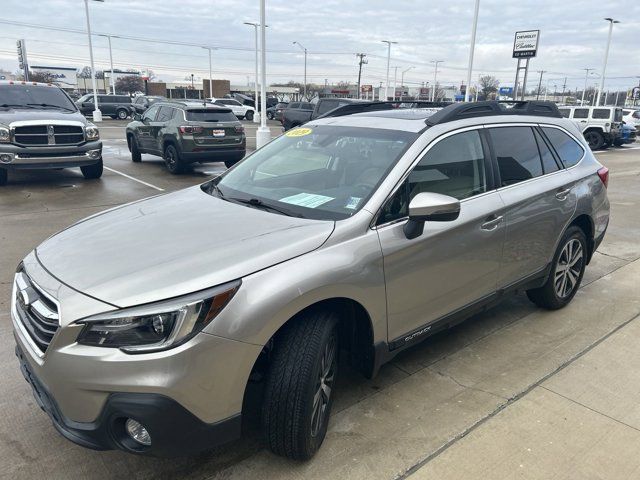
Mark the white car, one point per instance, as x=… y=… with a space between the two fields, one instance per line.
x=239 y=110
x=632 y=117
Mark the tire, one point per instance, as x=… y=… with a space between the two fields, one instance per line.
x=595 y=139
x=136 y=156
x=122 y=114
x=249 y=115
x=270 y=115
x=4 y=176
x=563 y=281
x=230 y=163
x=618 y=143
x=92 y=171
x=172 y=159
x=304 y=361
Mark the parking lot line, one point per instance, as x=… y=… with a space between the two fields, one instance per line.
x=134 y=179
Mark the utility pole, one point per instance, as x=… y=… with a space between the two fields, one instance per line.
x=402 y=82
x=22 y=58
x=435 y=79
x=586 y=77
x=361 y=62
x=395 y=81
x=564 y=86
x=540 y=83
x=305 y=67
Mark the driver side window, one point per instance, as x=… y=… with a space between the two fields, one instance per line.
x=454 y=166
x=150 y=114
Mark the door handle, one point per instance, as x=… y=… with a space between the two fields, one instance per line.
x=491 y=223
x=562 y=194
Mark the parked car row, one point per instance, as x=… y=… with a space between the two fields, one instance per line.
x=603 y=126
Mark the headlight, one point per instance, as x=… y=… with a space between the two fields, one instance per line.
x=5 y=135
x=156 y=326
x=92 y=132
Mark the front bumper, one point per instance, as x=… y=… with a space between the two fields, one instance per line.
x=51 y=157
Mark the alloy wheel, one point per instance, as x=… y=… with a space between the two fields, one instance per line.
x=324 y=386
x=568 y=268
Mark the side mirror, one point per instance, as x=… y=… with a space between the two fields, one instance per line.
x=137 y=117
x=432 y=207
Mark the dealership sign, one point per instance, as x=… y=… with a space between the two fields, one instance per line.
x=63 y=76
x=525 y=44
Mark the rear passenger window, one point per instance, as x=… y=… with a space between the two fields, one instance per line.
x=548 y=161
x=294 y=105
x=569 y=151
x=581 y=113
x=601 y=113
x=517 y=154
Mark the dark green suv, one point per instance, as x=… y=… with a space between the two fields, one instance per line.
x=187 y=132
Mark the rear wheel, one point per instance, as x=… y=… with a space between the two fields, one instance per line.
x=172 y=159
x=566 y=273
x=122 y=114
x=92 y=171
x=136 y=156
x=595 y=139
x=4 y=176
x=298 y=391
x=249 y=115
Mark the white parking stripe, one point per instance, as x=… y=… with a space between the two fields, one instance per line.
x=134 y=179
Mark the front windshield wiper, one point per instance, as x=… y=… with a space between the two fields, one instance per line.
x=21 y=105
x=257 y=203
x=50 y=105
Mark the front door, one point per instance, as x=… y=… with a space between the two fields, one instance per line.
x=452 y=264
x=144 y=131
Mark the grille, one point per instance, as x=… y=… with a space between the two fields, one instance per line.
x=44 y=135
x=37 y=313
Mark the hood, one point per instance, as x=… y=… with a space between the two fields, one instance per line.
x=10 y=115
x=172 y=245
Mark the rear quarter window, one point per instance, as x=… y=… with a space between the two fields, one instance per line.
x=601 y=113
x=565 y=112
x=569 y=151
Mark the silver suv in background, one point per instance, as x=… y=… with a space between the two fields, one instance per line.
x=359 y=234
x=599 y=125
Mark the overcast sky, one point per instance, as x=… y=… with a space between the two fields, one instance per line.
x=573 y=37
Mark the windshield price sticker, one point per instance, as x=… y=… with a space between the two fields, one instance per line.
x=298 y=132
x=308 y=200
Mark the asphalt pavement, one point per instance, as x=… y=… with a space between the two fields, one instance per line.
x=515 y=392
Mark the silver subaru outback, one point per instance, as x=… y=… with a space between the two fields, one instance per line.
x=361 y=233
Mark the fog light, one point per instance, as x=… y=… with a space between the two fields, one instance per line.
x=94 y=154
x=137 y=432
x=6 y=157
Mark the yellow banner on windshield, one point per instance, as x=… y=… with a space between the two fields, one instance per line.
x=298 y=132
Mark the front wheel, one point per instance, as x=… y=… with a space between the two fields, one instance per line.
x=172 y=160
x=249 y=115
x=136 y=156
x=299 y=387
x=92 y=171
x=567 y=270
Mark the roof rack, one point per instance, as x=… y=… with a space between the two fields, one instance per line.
x=461 y=111
x=367 y=106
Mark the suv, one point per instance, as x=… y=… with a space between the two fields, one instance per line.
x=40 y=127
x=114 y=106
x=187 y=132
x=142 y=102
x=275 y=112
x=363 y=233
x=599 y=125
x=299 y=113
x=239 y=110
x=632 y=117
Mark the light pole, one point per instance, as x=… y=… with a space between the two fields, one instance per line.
x=395 y=81
x=586 y=77
x=435 y=79
x=402 y=81
x=473 y=46
x=263 y=135
x=255 y=25
x=305 y=67
x=606 y=57
x=97 y=114
x=210 y=72
x=386 y=87
x=112 y=79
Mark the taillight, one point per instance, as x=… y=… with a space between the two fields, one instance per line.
x=603 y=173
x=190 y=130
x=239 y=129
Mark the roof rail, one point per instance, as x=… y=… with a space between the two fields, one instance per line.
x=367 y=106
x=461 y=111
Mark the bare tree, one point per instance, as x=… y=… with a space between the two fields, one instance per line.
x=42 y=76
x=488 y=85
x=85 y=72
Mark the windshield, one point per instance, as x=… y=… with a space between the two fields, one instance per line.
x=322 y=172
x=34 y=96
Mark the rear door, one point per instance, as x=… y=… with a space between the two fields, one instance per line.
x=452 y=264
x=538 y=198
x=165 y=114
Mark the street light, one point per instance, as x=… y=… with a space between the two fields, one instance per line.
x=606 y=57
x=112 y=80
x=255 y=25
x=263 y=135
x=305 y=67
x=471 y=51
x=97 y=114
x=395 y=81
x=586 y=77
x=210 y=72
x=402 y=81
x=435 y=79
x=386 y=87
